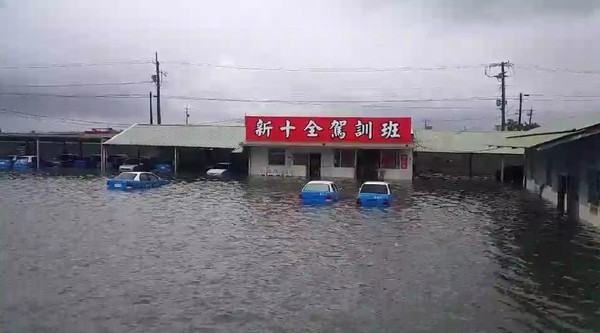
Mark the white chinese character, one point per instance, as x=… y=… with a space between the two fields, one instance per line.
x=337 y=127
x=364 y=129
x=263 y=128
x=312 y=128
x=389 y=130
x=287 y=128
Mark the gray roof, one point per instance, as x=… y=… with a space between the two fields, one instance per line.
x=562 y=127
x=203 y=136
x=461 y=142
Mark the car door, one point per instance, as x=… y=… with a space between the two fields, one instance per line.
x=336 y=192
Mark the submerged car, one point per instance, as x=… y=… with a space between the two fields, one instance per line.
x=135 y=180
x=29 y=162
x=374 y=194
x=320 y=191
x=65 y=160
x=6 y=162
x=135 y=164
x=220 y=170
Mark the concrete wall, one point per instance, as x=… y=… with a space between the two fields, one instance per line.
x=458 y=163
x=575 y=159
x=259 y=158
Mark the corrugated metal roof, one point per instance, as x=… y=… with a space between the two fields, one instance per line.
x=461 y=142
x=207 y=136
x=562 y=127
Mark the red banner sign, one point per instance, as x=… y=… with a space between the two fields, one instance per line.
x=328 y=129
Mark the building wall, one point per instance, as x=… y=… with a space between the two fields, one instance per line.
x=458 y=163
x=259 y=164
x=579 y=159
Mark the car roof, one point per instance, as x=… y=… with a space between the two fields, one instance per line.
x=376 y=183
x=320 y=182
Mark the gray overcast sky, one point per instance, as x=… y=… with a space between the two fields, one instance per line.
x=417 y=34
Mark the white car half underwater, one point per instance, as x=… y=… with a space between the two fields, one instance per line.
x=219 y=170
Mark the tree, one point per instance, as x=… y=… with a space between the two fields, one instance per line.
x=512 y=125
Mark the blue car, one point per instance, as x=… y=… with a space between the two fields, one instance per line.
x=320 y=192
x=6 y=162
x=135 y=180
x=374 y=194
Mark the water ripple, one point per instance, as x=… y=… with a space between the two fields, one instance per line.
x=245 y=256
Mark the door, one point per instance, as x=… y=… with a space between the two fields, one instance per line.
x=367 y=164
x=562 y=191
x=314 y=166
x=572 y=197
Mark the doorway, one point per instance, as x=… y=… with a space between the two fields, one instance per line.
x=367 y=164
x=572 y=197
x=562 y=192
x=314 y=166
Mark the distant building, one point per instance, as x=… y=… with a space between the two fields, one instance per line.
x=562 y=164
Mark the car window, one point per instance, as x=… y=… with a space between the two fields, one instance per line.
x=152 y=177
x=374 y=188
x=126 y=175
x=144 y=177
x=335 y=188
x=316 y=188
x=221 y=166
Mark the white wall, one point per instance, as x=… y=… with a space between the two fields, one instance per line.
x=259 y=159
x=401 y=174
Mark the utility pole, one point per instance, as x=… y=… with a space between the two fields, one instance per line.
x=503 y=78
x=157 y=80
x=504 y=66
x=521 y=107
x=150 y=108
x=530 y=114
x=187 y=114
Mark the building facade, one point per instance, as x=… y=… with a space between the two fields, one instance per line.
x=328 y=147
x=562 y=164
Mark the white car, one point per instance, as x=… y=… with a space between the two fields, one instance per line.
x=219 y=170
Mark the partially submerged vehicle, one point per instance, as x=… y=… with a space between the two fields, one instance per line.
x=6 y=162
x=135 y=180
x=320 y=191
x=374 y=194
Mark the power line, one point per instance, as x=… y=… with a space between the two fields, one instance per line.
x=325 y=69
x=77 y=84
x=78 y=64
x=62 y=119
x=26 y=94
x=556 y=70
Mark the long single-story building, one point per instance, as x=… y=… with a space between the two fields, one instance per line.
x=330 y=147
x=562 y=164
x=464 y=153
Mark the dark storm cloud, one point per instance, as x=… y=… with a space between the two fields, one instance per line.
x=312 y=33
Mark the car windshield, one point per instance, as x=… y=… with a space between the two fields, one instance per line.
x=374 y=188
x=221 y=166
x=126 y=175
x=132 y=161
x=316 y=187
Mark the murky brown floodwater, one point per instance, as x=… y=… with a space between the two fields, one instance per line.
x=199 y=256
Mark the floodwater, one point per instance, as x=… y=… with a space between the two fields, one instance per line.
x=211 y=256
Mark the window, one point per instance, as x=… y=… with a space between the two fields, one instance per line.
x=594 y=187
x=126 y=175
x=144 y=177
x=335 y=188
x=374 y=188
x=343 y=158
x=390 y=159
x=132 y=161
x=276 y=156
x=300 y=159
x=316 y=187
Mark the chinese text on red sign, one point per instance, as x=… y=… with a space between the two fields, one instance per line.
x=328 y=129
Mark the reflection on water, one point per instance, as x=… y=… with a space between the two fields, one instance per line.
x=211 y=256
